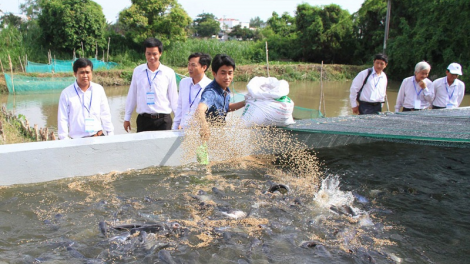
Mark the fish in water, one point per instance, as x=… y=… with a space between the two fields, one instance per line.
x=360 y=199
x=343 y=210
x=165 y=257
x=153 y=228
x=103 y=228
x=282 y=188
x=74 y=253
x=309 y=244
x=235 y=214
x=218 y=192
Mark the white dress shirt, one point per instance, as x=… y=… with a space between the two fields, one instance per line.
x=410 y=91
x=448 y=96
x=161 y=82
x=75 y=106
x=374 y=90
x=188 y=100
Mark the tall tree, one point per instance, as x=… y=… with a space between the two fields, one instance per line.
x=325 y=33
x=66 y=24
x=163 y=19
x=206 y=25
x=256 y=22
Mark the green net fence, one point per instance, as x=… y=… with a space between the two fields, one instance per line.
x=65 y=66
x=33 y=84
x=446 y=125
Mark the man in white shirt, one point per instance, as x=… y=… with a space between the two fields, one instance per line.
x=83 y=106
x=153 y=92
x=368 y=89
x=416 y=92
x=449 y=90
x=191 y=88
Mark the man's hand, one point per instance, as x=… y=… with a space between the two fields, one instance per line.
x=422 y=84
x=127 y=126
x=355 y=110
x=179 y=127
x=205 y=133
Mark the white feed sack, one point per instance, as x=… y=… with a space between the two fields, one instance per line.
x=267 y=103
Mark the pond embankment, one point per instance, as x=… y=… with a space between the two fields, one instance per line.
x=289 y=72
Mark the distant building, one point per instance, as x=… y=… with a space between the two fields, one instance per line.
x=229 y=23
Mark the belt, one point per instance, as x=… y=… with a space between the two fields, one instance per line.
x=154 y=116
x=97 y=134
x=410 y=109
x=369 y=103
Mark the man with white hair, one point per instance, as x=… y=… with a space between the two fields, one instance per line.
x=416 y=92
x=449 y=90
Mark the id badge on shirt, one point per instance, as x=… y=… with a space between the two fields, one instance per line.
x=450 y=105
x=150 y=98
x=374 y=95
x=417 y=104
x=89 y=124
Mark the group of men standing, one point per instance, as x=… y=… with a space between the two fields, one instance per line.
x=153 y=94
x=368 y=89
x=84 y=111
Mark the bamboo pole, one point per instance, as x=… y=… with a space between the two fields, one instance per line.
x=267 y=57
x=321 y=87
x=21 y=63
x=103 y=55
x=107 y=55
x=3 y=71
x=74 y=56
x=83 y=56
x=25 y=60
x=11 y=69
x=96 y=51
x=36 y=132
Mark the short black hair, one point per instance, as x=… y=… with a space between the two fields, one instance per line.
x=82 y=63
x=152 y=43
x=381 y=56
x=222 y=60
x=204 y=59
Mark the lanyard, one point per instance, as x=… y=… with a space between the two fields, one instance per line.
x=445 y=82
x=150 y=82
x=420 y=90
x=378 y=80
x=83 y=101
x=191 y=103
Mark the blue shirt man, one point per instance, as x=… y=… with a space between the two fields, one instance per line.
x=215 y=100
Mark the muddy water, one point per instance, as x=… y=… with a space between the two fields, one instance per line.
x=41 y=109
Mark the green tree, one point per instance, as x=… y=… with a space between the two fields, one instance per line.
x=325 y=33
x=206 y=25
x=239 y=32
x=256 y=22
x=10 y=20
x=369 y=27
x=163 y=19
x=65 y=24
x=32 y=8
x=282 y=25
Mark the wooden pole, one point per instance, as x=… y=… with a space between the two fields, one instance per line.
x=103 y=55
x=267 y=57
x=387 y=25
x=96 y=53
x=3 y=71
x=74 y=56
x=26 y=60
x=11 y=69
x=83 y=56
x=107 y=55
x=21 y=63
x=321 y=87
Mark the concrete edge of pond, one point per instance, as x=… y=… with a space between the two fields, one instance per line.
x=52 y=160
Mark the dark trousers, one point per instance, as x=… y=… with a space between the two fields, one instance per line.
x=437 y=107
x=366 y=108
x=409 y=109
x=146 y=123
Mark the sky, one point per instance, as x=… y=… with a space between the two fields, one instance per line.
x=242 y=10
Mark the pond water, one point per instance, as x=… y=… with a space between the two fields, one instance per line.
x=378 y=203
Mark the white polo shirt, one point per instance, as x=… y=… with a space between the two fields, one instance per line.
x=188 y=100
x=411 y=93
x=448 y=96
x=75 y=106
x=374 y=90
x=161 y=83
